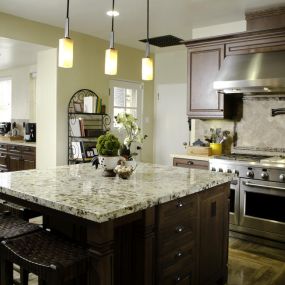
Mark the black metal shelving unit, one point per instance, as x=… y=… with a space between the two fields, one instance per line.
x=81 y=145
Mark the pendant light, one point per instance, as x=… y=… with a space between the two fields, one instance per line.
x=65 y=49
x=147 y=62
x=111 y=54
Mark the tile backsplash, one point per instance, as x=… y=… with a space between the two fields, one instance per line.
x=257 y=128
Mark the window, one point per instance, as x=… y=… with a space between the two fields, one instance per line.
x=5 y=99
x=125 y=97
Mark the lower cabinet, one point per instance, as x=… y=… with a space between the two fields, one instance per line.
x=192 y=239
x=17 y=157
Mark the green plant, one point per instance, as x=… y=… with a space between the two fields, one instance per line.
x=108 y=145
x=133 y=134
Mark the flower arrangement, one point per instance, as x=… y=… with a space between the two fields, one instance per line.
x=133 y=134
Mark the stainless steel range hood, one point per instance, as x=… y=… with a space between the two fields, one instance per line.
x=252 y=73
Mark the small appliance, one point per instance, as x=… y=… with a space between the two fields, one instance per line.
x=30 y=132
x=5 y=127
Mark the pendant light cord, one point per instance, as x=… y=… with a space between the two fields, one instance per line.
x=147 y=25
x=66 y=29
x=113 y=8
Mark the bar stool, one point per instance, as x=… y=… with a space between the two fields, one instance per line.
x=17 y=210
x=52 y=258
x=11 y=227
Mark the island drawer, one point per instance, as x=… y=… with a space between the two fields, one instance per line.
x=3 y=147
x=179 y=273
x=173 y=244
x=171 y=212
x=174 y=254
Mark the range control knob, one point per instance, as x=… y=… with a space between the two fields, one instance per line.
x=264 y=175
x=282 y=177
x=250 y=174
x=236 y=172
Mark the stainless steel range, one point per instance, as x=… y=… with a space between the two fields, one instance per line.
x=257 y=198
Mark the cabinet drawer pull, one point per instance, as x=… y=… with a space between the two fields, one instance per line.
x=178 y=254
x=189 y=162
x=179 y=204
x=179 y=229
x=178 y=278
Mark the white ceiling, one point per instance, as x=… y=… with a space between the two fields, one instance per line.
x=16 y=53
x=176 y=17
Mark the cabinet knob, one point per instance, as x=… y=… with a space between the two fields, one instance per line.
x=179 y=229
x=178 y=254
x=178 y=278
x=189 y=162
x=179 y=204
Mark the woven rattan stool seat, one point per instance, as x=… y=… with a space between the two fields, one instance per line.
x=11 y=227
x=47 y=255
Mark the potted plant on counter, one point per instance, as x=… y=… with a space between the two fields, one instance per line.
x=108 y=147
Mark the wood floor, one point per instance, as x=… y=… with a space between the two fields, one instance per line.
x=249 y=264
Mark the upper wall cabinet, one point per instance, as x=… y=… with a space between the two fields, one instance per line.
x=205 y=57
x=203 y=65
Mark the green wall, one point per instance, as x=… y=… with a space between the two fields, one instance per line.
x=88 y=72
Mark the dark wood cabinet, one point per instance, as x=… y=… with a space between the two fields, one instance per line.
x=191 y=163
x=205 y=57
x=192 y=238
x=15 y=157
x=213 y=236
x=203 y=66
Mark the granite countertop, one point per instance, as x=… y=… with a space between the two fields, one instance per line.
x=18 y=142
x=82 y=191
x=191 y=156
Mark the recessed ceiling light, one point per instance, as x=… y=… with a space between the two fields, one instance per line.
x=113 y=13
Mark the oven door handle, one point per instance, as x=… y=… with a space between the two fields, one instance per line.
x=263 y=186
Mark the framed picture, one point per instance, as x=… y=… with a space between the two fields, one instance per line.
x=89 y=152
x=77 y=107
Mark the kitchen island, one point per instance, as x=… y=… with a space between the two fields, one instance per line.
x=164 y=225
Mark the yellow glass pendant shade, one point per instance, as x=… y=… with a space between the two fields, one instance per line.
x=65 y=53
x=111 y=61
x=147 y=68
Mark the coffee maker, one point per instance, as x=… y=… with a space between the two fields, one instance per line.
x=30 y=132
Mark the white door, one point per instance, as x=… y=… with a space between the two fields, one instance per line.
x=171 y=126
x=126 y=97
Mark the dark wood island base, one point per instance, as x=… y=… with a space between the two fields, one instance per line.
x=184 y=241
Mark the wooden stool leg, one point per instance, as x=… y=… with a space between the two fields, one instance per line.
x=24 y=277
x=6 y=272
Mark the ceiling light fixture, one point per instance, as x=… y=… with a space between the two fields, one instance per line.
x=113 y=13
x=65 y=49
x=111 y=54
x=147 y=62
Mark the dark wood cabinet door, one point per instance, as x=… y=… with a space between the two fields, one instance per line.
x=15 y=163
x=254 y=44
x=213 y=235
x=203 y=66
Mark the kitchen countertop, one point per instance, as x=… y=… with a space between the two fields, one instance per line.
x=82 y=191
x=187 y=156
x=18 y=142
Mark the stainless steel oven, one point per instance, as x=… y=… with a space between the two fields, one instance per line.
x=234 y=202
x=262 y=208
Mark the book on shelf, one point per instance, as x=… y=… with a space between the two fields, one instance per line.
x=75 y=127
x=77 y=150
x=90 y=104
